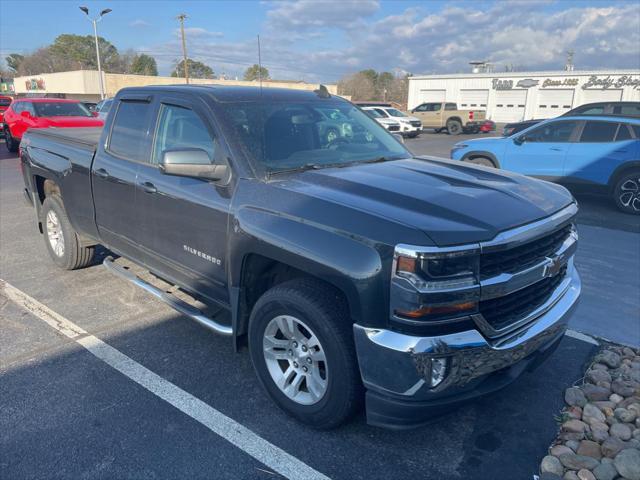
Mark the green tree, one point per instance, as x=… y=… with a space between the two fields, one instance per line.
x=196 y=69
x=81 y=50
x=255 y=71
x=13 y=61
x=384 y=84
x=144 y=65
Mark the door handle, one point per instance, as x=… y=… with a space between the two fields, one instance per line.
x=148 y=187
x=620 y=151
x=555 y=149
x=102 y=173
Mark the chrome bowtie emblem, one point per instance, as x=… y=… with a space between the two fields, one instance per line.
x=553 y=267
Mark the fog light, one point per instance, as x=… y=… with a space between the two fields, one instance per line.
x=438 y=371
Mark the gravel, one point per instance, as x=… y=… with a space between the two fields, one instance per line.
x=599 y=436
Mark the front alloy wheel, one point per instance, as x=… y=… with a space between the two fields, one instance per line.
x=54 y=234
x=627 y=193
x=295 y=359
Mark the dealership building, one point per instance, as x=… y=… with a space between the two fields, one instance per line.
x=515 y=96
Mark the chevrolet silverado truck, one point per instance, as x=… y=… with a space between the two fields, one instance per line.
x=446 y=116
x=354 y=273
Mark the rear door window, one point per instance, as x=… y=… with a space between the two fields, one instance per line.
x=129 y=134
x=624 y=133
x=631 y=110
x=598 y=132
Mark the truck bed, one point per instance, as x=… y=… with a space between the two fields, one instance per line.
x=81 y=136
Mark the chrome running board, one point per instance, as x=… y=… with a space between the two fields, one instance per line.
x=171 y=300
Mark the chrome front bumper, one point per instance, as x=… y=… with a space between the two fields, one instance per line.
x=393 y=364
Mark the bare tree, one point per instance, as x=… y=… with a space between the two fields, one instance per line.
x=359 y=86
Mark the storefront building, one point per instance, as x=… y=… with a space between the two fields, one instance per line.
x=84 y=85
x=515 y=96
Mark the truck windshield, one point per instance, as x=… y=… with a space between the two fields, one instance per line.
x=5 y=102
x=61 y=109
x=287 y=136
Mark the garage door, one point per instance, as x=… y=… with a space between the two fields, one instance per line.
x=509 y=106
x=473 y=99
x=552 y=103
x=590 y=96
x=432 y=96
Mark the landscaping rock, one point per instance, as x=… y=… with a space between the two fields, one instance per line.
x=574 y=461
x=590 y=449
x=621 y=431
x=609 y=358
x=625 y=415
x=595 y=392
x=605 y=471
x=575 y=396
x=611 y=447
x=570 y=475
x=627 y=463
x=585 y=475
x=623 y=388
x=591 y=413
x=596 y=376
x=615 y=398
x=572 y=444
x=558 y=450
x=551 y=464
x=576 y=426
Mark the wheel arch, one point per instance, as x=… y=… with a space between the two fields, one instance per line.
x=481 y=153
x=622 y=170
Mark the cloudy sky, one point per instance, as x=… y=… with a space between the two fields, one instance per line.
x=321 y=40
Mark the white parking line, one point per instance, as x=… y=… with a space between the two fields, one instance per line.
x=232 y=431
x=581 y=336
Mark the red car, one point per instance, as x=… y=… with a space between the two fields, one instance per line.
x=4 y=104
x=27 y=113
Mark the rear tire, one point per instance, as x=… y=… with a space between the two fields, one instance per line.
x=454 y=127
x=305 y=324
x=63 y=243
x=484 y=161
x=11 y=143
x=626 y=192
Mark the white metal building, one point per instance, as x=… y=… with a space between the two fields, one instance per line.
x=514 y=96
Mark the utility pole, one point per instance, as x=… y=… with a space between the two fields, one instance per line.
x=94 y=21
x=181 y=17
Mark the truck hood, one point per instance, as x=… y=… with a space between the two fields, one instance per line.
x=452 y=203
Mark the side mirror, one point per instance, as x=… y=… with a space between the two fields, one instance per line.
x=520 y=140
x=399 y=137
x=192 y=162
x=25 y=114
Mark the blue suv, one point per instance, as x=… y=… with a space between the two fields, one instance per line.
x=598 y=153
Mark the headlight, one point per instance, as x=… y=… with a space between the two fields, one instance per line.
x=446 y=283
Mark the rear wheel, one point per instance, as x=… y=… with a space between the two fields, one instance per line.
x=454 y=127
x=484 y=161
x=301 y=346
x=626 y=192
x=10 y=141
x=63 y=243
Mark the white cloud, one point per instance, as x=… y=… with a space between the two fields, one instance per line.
x=424 y=40
x=199 y=33
x=139 y=23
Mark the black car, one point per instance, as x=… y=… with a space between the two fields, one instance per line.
x=623 y=109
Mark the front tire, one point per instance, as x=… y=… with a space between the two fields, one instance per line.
x=626 y=192
x=302 y=349
x=11 y=143
x=61 y=240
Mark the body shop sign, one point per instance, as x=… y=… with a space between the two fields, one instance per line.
x=602 y=82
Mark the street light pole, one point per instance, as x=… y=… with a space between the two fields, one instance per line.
x=95 y=21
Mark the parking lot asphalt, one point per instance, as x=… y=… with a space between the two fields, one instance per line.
x=66 y=414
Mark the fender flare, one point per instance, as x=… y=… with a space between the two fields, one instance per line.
x=620 y=170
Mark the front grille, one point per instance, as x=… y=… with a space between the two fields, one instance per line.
x=523 y=256
x=503 y=311
x=394 y=128
x=416 y=123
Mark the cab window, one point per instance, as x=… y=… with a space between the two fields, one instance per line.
x=421 y=108
x=181 y=128
x=557 y=132
x=450 y=106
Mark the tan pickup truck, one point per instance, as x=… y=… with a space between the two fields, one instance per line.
x=446 y=116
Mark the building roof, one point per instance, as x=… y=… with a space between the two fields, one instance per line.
x=551 y=73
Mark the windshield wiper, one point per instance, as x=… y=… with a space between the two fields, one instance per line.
x=300 y=168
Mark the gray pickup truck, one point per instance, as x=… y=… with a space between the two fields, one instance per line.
x=355 y=273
